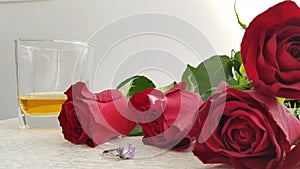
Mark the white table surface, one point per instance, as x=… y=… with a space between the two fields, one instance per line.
x=46 y=148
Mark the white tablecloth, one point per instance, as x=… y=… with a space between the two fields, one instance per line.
x=46 y=148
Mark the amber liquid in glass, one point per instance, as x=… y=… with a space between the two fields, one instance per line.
x=42 y=103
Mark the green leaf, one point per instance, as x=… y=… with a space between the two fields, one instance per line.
x=280 y=99
x=239 y=72
x=166 y=88
x=243 y=86
x=190 y=78
x=208 y=93
x=137 y=131
x=244 y=26
x=242 y=71
x=209 y=74
x=237 y=61
x=126 y=83
x=135 y=84
x=238 y=57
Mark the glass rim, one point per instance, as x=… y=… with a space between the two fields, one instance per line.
x=58 y=40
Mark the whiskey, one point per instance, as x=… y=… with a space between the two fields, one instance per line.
x=42 y=103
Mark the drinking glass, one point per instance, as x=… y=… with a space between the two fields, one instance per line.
x=45 y=69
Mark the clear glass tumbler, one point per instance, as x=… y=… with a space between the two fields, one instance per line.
x=45 y=69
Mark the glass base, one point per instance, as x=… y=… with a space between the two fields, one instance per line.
x=37 y=121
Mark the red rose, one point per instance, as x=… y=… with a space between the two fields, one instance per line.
x=71 y=127
x=245 y=129
x=99 y=114
x=166 y=118
x=271 y=51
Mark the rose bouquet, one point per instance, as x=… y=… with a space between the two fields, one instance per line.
x=241 y=110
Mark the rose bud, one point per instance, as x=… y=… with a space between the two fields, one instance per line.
x=99 y=115
x=166 y=118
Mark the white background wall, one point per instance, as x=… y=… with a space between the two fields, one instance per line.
x=79 y=19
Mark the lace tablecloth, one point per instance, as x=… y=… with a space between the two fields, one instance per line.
x=46 y=148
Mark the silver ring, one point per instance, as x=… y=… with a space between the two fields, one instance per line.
x=126 y=152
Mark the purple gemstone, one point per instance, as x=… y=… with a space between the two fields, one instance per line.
x=127 y=152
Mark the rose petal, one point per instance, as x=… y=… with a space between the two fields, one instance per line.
x=74 y=89
x=207 y=156
x=270 y=51
x=254 y=162
x=292 y=158
x=188 y=110
x=241 y=134
x=108 y=95
x=289 y=34
x=179 y=86
x=288 y=123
